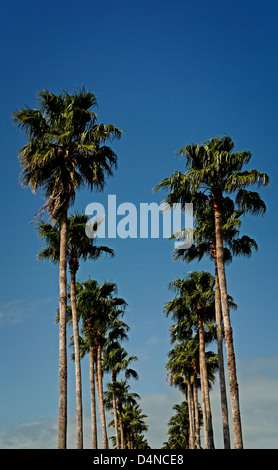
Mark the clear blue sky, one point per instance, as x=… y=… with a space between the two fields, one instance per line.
x=168 y=74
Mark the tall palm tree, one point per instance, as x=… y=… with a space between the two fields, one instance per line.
x=100 y=309
x=213 y=170
x=115 y=360
x=65 y=152
x=79 y=247
x=234 y=245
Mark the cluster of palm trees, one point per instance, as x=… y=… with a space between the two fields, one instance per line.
x=189 y=364
x=95 y=312
x=130 y=424
x=201 y=308
x=66 y=151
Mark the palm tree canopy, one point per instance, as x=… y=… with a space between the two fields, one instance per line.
x=133 y=419
x=194 y=295
x=65 y=149
x=195 y=292
x=79 y=246
x=123 y=395
x=204 y=235
x=115 y=358
x=183 y=359
x=100 y=308
x=178 y=427
x=214 y=169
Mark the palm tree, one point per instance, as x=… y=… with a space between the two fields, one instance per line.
x=213 y=170
x=115 y=360
x=100 y=309
x=79 y=247
x=204 y=237
x=65 y=152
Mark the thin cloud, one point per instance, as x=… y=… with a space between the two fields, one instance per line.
x=17 y=310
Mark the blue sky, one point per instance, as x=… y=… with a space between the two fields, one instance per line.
x=168 y=74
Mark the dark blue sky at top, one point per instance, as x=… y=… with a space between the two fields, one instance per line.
x=167 y=74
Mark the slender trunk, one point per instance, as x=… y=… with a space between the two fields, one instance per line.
x=204 y=382
x=79 y=414
x=223 y=394
x=186 y=437
x=114 y=383
x=131 y=440
x=234 y=393
x=96 y=375
x=186 y=433
x=204 y=410
x=121 y=426
x=93 y=393
x=191 y=417
x=196 y=414
x=100 y=398
x=62 y=417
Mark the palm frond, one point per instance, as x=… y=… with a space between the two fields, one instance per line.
x=250 y=201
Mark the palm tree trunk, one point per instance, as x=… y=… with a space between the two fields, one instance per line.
x=204 y=411
x=191 y=417
x=79 y=417
x=100 y=398
x=131 y=440
x=196 y=414
x=233 y=385
x=115 y=410
x=121 y=426
x=204 y=382
x=62 y=417
x=128 y=440
x=223 y=394
x=93 y=394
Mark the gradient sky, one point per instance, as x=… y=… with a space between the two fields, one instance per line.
x=168 y=74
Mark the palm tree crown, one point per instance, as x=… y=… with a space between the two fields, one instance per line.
x=79 y=246
x=212 y=170
x=65 y=149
